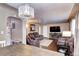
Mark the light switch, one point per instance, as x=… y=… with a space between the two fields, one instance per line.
x=2 y=32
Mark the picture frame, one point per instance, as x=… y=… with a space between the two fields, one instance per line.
x=32 y=27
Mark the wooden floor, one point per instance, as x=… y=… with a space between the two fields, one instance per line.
x=53 y=46
x=26 y=50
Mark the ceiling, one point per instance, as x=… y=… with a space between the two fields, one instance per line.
x=49 y=12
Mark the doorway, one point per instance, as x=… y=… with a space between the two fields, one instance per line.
x=14 y=26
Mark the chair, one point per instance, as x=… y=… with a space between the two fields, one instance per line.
x=31 y=40
x=62 y=47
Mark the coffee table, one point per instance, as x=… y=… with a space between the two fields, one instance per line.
x=45 y=43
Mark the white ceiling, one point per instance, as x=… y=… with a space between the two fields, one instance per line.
x=49 y=12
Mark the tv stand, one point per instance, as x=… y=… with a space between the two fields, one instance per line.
x=55 y=35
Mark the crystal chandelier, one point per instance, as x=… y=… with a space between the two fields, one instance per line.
x=26 y=11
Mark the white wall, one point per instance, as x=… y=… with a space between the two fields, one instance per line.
x=45 y=31
x=39 y=29
x=46 y=28
x=73 y=29
x=24 y=31
x=77 y=36
x=16 y=34
x=72 y=26
x=5 y=12
x=63 y=26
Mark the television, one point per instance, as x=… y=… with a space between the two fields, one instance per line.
x=55 y=29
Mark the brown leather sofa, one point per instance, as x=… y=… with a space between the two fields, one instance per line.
x=67 y=42
x=34 y=39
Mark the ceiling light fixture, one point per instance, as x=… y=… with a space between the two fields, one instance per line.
x=25 y=11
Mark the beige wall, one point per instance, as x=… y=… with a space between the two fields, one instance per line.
x=76 y=42
x=63 y=26
x=32 y=21
x=5 y=12
x=16 y=33
x=72 y=26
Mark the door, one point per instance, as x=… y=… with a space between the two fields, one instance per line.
x=15 y=26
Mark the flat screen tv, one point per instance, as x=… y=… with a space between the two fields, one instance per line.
x=55 y=29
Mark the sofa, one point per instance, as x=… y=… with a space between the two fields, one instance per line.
x=68 y=43
x=34 y=39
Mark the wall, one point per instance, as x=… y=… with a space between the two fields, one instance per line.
x=72 y=26
x=25 y=31
x=40 y=29
x=45 y=31
x=35 y=22
x=16 y=33
x=5 y=12
x=63 y=26
x=77 y=36
x=73 y=30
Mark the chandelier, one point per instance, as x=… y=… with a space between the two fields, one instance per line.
x=25 y=11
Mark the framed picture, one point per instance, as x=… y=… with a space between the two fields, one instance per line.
x=32 y=27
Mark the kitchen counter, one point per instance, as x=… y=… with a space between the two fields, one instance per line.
x=26 y=50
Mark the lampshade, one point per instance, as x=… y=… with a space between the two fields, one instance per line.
x=66 y=34
x=25 y=11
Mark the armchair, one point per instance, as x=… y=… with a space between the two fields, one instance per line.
x=33 y=40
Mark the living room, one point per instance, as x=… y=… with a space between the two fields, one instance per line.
x=54 y=31
x=45 y=27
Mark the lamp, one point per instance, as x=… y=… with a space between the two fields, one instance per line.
x=27 y=25
x=25 y=11
x=66 y=34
